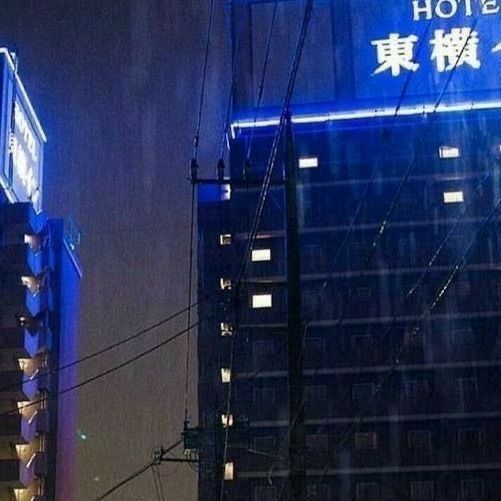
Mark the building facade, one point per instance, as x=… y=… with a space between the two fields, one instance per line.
x=39 y=288
x=399 y=228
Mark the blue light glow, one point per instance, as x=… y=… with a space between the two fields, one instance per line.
x=367 y=113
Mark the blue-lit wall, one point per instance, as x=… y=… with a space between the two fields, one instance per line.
x=66 y=295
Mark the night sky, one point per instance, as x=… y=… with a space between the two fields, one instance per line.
x=116 y=85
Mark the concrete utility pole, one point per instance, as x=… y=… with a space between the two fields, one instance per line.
x=294 y=327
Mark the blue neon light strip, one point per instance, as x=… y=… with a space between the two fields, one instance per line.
x=26 y=99
x=367 y=113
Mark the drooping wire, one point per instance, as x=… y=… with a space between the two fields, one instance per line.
x=134 y=475
x=155 y=483
x=188 y=320
x=159 y=481
x=396 y=198
x=108 y=371
x=229 y=106
x=276 y=140
x=196 y=139
x=372 y=177
x=263 y=79
x=125 y=481
x=262 y=198
x=459 y=264
x=101 y=351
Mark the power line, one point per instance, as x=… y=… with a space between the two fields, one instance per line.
x=263 y=78
x=111 y=370
x=460 y=262
x=155 y=483
x=105 y=349
x=263 y=195
x=188 y=319
x=134 y=475
x=276 y=140
x=126 y=480
x=196 y=139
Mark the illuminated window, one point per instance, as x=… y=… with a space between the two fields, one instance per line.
x=229 y=472
x=34 y=242
x=225 y=284
x=261 y=255
x=453 y=197
x=448 y=152
x=308 y=162
x=225 y=192
x=31 y=283
x=422 y=490
x=226 y=329
x=227 y=420
x=225 y=239
x=261 y=301
x=23 y=363
x=225 y=375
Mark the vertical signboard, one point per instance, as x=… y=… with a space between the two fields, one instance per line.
x=21 y=139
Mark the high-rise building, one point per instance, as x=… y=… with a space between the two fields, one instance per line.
x=39 y=289
x=397 y=147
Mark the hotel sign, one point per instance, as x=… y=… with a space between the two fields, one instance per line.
x=21 y=140
x=417 y=44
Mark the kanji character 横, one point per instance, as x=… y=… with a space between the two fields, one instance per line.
x=395 y=53
x=456 y=48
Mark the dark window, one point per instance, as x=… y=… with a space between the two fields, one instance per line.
x=314 y=394
x=416 y=389
x=363 y=347
x=317 y=492
x=422 y=490
x=361 y=295
x=265 y=493
x=368 y=491
x=264 y=443
x=264 y=397
x=365 y=440
x=418 y=439
x=262 y=348
x=317 y=441
x=472 y=490
x=362 y=393
x=467 y=387
x=470 y=437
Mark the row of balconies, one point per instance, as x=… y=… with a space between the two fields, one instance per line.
x=24 y=295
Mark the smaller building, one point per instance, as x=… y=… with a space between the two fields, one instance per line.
x=39 y=289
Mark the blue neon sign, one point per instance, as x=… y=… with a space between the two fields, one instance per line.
x=21 y=139
x=423 y=41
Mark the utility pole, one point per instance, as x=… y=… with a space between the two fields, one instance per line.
x=294 y=327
